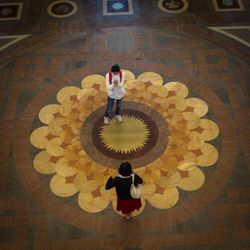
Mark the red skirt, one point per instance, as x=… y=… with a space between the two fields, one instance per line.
x=128 y=206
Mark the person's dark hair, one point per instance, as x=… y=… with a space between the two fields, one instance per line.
x=115 y=68
x=125 y=169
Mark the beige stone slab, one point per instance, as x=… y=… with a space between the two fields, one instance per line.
x=60 y=187
x=65 y=93
x=166 y=200
x=46 y=114
x=42 y=163
x=194 y=180
x=38 y=137
x=92 y=204
x=152 y=77
x=177 y=88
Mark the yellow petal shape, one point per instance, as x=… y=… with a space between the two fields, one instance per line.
x=92 y=204
x=65 y=93
x=200 y=107
x=150 y=175
x=152 y=77
x=112 y=172
x=157 y=164
x=189 y=156
x=148 y=189
x=84 y=94
x=46 y=114
x=140 y=170
x=67 y=107
x=166 y=200
x=108 y=195
x=38 y=137
x=192 y=119
x=186 y=166
x=60 y=187
x=170 y=181
x=101 y=97
x=64 y=169
x=174 y=115
x=56 y=126
x=54 y=147
x=90 y=80
x=196 y=140
x=42 y=163
x=67 y=135
x=84 y=185
x=71 y=155
x=211 y=129
x=170 y=163
x=100 y=179
x=159 y=100
x=128 y=74
x=158 y=90
x=209 y=157
x=146 y=95
x=178 y=88
x=178 y=102
x=98 y=168
x=194 y=180
x=135 y=84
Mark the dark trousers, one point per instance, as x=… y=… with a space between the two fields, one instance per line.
x=110 y=105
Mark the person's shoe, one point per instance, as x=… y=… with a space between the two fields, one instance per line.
x=106 y=120
x=119 y=118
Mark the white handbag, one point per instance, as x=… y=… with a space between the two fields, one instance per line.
x=135 y=192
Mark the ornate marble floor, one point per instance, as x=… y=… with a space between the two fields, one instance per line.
x=185 y=128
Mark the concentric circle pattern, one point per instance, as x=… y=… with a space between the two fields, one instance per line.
x=179 y=153
x=153 y=145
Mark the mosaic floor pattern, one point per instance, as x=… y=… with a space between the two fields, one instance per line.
x=187 y=98
x=184 y=152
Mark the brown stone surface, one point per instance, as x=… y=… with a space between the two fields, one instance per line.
x=180 y=48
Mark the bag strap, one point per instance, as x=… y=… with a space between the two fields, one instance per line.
x=111 y=76
x=124 y=177
x=133 y=178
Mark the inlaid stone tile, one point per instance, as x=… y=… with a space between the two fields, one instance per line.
x=11 y=11
x=117 y=7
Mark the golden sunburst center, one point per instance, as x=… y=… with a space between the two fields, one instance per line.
x=127 y=136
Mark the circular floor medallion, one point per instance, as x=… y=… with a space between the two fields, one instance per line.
x=173 y=6
x=129 y=135
x=153 y=144
x=163 y=135
x=73 y=172
x=61 y=9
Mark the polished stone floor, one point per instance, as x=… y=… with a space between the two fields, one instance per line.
x=186 y=112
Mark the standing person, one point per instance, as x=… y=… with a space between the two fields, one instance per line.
x=122 y=183
x=116 y=91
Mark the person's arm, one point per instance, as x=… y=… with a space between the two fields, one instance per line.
x=108 y=85
x=110 y=183
x=121 y=83
x=138 y=180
